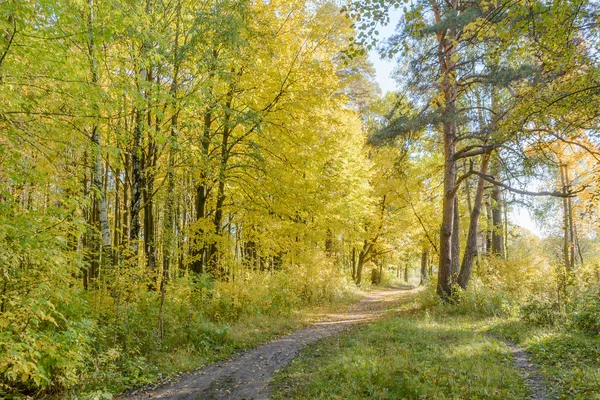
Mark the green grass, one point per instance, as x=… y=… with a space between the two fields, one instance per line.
x=568 y=358
x=406 y=357
x=215 y=342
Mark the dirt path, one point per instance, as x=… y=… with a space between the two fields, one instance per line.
x=247 y=375
x=533 y=379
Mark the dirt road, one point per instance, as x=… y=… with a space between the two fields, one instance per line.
x=247 y=375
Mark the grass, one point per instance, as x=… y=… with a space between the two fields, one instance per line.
x=218 y=342
x=410 y=356
x=428 y=351
x=568 y=358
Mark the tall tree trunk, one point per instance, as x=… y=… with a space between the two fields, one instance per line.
x=497 y=215
x=99 y=245
x=567 y=218
x=361 y=263
x=329 y=243
x=213 y=249
x=455 y=243
x=471 y=246
x=571 y=223
x=447 y=62
x=148 y=196
x=136 y=183
x=445 y=261
x=354 y=263
x=137 y=173
x=170 y=225
x=424 y=261
x=199 y=248
x=490 y=225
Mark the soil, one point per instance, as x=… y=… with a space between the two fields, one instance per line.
x=247 y=375
x=534 y=381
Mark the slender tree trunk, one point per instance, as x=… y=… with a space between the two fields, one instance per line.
x=136 y=183
x=212 y=256
x=362 y=258
x=567 y=243
x=100 y=219
x=148 y=196
x=170 y=225
x=505 y=208
x=498 y=224
x=424 y=261
x=490 y=225
x=353 y=263
x=471 y=246
x=571 y=223
x=455 y=243
x=329 y=243
x=199 y=248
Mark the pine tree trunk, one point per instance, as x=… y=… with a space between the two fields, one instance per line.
x=448 y=87
x=445 y=261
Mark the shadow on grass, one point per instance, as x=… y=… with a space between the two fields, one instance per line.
x=404 y=358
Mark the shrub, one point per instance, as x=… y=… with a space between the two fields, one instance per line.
x=485 y=301
x=540 y=311
x=584 y=309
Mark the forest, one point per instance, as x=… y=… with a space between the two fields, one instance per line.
x=182 y=181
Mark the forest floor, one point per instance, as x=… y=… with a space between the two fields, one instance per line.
x=416 y=352
x=248 y=375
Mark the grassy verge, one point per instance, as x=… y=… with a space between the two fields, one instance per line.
x=568 y=358
x=213 y=341
x=412 y=356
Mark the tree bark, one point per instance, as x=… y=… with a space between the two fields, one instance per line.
x=199 y=247
x=498 y=224
x=212 y=257
x=455 y=243
x=354 y=263
x=471 y=245
x=137 y=174
x=567 y=218
x=424 y=261
x=449 y=89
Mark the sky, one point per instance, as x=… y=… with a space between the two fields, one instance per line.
x=384 y=68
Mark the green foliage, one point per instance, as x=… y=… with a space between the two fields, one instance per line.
x=540 y=311
x=584 y=309
x=204 y=320
x=479 y=300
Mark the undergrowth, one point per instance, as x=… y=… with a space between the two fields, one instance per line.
x=112 y=341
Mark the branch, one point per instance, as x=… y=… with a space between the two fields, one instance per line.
x=527 y=192
x=471 y=151
x=461 y=179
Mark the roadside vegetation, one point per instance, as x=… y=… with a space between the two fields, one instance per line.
x=426 y=348
x=183 y=179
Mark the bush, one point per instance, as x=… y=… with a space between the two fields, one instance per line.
x=540 y=311
x=477 y=300
x=584 y=309
x=484 y=301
